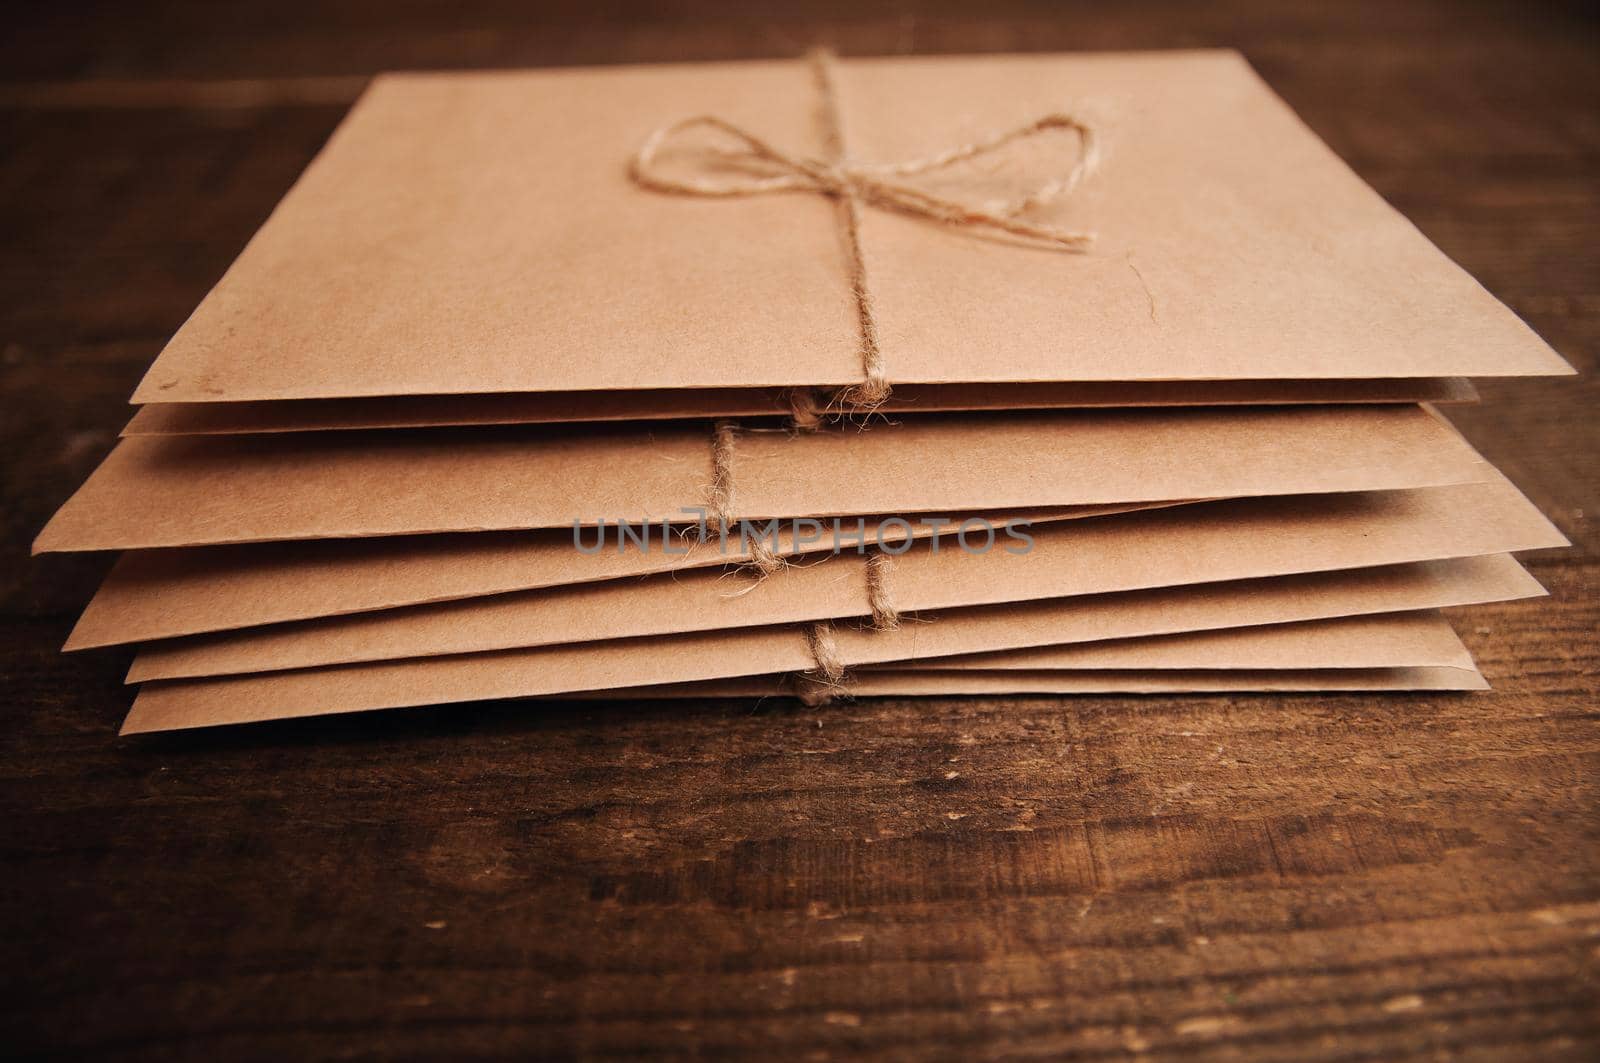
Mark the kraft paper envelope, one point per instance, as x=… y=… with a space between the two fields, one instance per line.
x=471 y=627
x=1386 y=640
x=481 y=233
x=158 y=594
x=432 y=411
x=906 y=683
x=174 y=704
x=1193 y=544
x=185 y=491
x=1253 y=655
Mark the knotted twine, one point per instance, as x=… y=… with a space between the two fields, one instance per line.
x=852 y=186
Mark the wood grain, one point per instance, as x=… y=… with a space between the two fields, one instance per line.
x=1240 y=878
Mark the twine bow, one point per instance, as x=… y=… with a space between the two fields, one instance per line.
x=853 y=185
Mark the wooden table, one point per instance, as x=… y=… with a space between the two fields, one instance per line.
x=1315 y=878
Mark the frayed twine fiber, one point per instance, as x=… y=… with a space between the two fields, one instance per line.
x=885 y=617
x=852 y=185
x=807 y=412
x=825 y=651
x=813 y=693
x=826 y=680
x=719 y=503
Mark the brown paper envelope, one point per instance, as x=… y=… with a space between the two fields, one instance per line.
x=1387 y=640
x=1390 y=641
x=158 y=594
x=1193 y=544
x=432 y=411
x=479 y=233
x=906 y=683
x=185 y=491
x=174 y=704
x=1267 y=654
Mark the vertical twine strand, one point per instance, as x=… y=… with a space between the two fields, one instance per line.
x=825 y=651
x=885 y=617
x=874 y=390
x=720 y=499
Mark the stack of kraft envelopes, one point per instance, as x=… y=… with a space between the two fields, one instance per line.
x=819 y=377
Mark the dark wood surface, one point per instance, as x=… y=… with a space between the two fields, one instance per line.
x=1320 y=878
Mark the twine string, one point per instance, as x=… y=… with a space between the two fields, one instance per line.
x=821 y=684
x=764 y=558
x=852 y=185
x=825 y=651
x=720 y=501
x=830 y=677
x=885 y=617
x=806 y=409
x=827 y=678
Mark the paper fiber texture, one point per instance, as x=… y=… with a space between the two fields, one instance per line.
x=905 y=683
x=174 y=704
x=158 y=594
x=186 y=491
x=1193 y=544
x=1388 y=640
x=431 y=411
x=479 y=233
